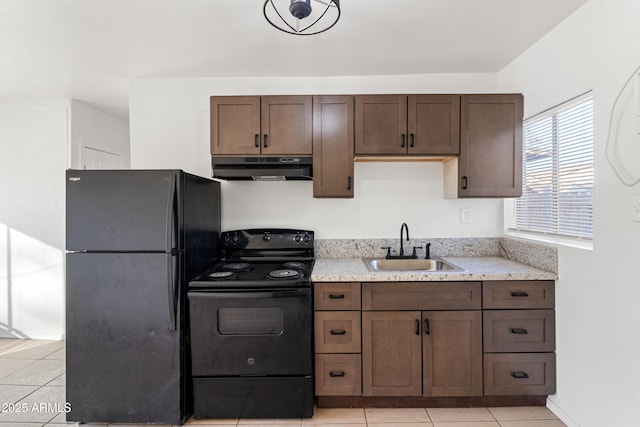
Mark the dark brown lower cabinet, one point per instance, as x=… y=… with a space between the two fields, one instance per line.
x=451 y=347
x=391 y=353
x=435 y=344
x=452 y=353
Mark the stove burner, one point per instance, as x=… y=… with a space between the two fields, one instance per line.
x=284 y=274
x=222 y=275
x=237 y=266
x=295 y=265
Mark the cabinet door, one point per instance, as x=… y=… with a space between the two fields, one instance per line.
x=490 y=163
x=391 y=353
x=434 y=124
x=286 y=125
x=381 y=124
x=235 y=125
x=452 y=353
x=333 y=141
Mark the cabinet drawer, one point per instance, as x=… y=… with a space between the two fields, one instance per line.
x=337 y=331
x=338 y=375
x=512 y=331
x=337 y=296
x=519 y=374
x=421 y=296
x=518 y=294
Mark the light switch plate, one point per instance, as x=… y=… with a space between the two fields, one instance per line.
x=635 y=207
x=465 y=215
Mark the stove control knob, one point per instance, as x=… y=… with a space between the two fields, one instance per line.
x=227 y=239
x=251 y=361
x=266 y=237
x=235 y=239
x=298 y=238
x=307 y=238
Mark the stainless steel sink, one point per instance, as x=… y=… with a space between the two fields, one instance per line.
x=433 y=264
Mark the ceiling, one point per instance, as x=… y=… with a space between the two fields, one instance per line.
x=89 y=49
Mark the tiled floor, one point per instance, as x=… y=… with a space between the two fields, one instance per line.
x=32 y=395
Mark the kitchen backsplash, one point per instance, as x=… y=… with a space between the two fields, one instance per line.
x=534 y=254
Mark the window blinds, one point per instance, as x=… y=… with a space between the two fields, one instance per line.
x=557 y=194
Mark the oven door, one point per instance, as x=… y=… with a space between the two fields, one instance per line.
x=252 y=333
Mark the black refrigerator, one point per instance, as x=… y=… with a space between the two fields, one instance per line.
x=134 y=239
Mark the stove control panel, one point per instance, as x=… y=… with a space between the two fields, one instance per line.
x=259 y=238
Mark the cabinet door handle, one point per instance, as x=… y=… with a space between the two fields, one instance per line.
x=264 y=140
x=518 y=331
x=519 y=294
x=348 y=183
x=257 y=141
x=417 y=326
x=334 y=374
x=427 y=328
x=336 y=296
x=338 y=332
x=464 y=182
x=413 y=140
x=519 y=375
x=403 y=138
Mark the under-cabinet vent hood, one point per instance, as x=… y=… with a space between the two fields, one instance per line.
x=262 y=168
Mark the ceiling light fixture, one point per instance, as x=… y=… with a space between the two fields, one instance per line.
x=301 y=18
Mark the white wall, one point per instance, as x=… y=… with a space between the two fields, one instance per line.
x=35 y=147
x=97 y=130
x=597 y=48
x=170 y=129
x=33 y=143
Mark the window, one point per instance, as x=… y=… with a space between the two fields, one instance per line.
x=557 y=193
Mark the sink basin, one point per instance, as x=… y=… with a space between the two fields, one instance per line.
x=383 y=264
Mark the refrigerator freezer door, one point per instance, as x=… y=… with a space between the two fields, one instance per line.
x=124 y=357
x=123 y=210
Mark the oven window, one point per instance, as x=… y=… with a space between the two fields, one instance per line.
x=250 y=321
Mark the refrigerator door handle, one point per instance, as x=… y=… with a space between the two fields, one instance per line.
x=171 y=207
x=173 y=293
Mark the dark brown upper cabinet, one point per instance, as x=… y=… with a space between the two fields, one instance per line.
x=267 y=125
x=490 y=161
x=407 y=124
x=333 y=140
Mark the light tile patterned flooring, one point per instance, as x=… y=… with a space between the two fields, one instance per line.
x=32 y=376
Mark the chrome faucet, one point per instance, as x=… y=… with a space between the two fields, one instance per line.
x=404 y=226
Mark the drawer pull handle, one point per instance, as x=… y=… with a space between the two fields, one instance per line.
x=336 y=296
x=518 y=331
x=334 y=374
x=338 y=332
x=519 y=375
x=519 y=294
x=427 y=328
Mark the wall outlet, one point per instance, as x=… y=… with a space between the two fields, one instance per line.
x=635 y=207
x=465 y=215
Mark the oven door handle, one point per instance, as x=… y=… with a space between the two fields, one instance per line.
x=216 y=294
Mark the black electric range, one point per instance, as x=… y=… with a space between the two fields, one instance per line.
x=252 y=327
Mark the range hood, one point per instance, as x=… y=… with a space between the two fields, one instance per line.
x=262 y=168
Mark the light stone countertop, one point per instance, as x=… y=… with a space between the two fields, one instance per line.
x=473 y=268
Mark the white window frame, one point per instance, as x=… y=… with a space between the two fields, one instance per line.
x=549 y=232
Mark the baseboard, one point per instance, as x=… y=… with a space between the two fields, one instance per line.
x=564 y=417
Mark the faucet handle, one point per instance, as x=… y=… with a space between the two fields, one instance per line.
x=388 y=248
x=413 y=254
